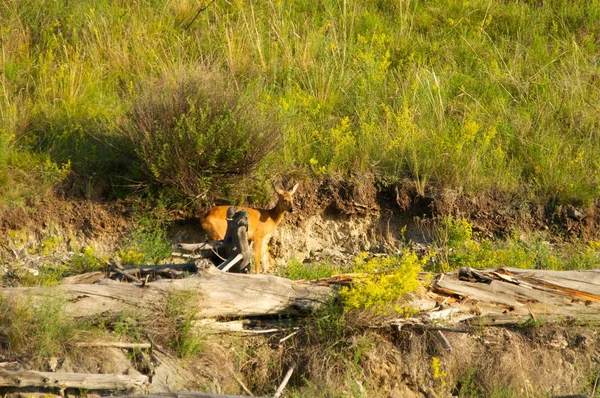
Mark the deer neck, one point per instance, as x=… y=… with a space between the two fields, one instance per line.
x=277 y=212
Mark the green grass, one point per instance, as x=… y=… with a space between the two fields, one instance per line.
x=456 y=245
x=38 y=332
x=296 y=270
x=477 y=96
x=182 y=337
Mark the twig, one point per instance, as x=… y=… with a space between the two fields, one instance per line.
x=115 y=344
x=198 y=13
x=127 y=275
x=226 y=266
x=288 y=336
x=595 y=385
x=241 y=383
x=284 y=382
x=432 y=328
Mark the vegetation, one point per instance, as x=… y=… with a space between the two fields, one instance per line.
x=458 y=246
x=388 y=280
x=104 y=98
x=296 y=269
x=476 y=96
x=37 y=332
x=179 y=332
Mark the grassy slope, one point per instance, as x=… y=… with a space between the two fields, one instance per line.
x=471 y=95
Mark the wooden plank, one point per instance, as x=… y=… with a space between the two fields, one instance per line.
x=197 y=247
x=115 y=344
x=520 y=293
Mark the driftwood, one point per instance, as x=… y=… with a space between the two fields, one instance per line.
x=507 y=296
x=233 y=249
x=284 y=382
x=22 y=379
x=219 y=294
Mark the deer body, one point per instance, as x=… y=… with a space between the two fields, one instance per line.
x=262 y=223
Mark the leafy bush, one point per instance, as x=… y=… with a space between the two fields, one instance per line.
x=388 y=280
x=458 y=248
x=198 y=134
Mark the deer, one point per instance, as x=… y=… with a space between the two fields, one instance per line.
x=262 y=223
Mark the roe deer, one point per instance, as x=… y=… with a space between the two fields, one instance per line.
x=261 y=224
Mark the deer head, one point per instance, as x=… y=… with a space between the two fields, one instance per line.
x=285 y=198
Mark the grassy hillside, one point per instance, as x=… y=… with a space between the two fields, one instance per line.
x=478 y=96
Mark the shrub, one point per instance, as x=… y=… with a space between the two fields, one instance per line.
x=147 y=240
x=388 y=280
x=197 y=134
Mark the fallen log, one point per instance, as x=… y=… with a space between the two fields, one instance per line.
x=508 y=296
x=218 y=294
x=28 y=378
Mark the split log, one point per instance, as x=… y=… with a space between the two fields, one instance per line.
x=22 y=379
x=507 y=296
x=219 y=294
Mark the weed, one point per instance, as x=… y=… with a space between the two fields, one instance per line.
x=314 y=270
x=388 y=280
x=438 y=373
x=128 y=326
x=183 y=337
x=38 y=331
x=467 y=386
x=87 y=261
x=147 y=241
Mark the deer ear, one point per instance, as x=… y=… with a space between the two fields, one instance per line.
x=278 y=190
x=293 y=190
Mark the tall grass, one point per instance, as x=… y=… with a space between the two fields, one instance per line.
x=471 y=95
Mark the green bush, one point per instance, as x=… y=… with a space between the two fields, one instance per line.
x=147 y=241
x=296 y=270
x=198 y=134
x=388 y=280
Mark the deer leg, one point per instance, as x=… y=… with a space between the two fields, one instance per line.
x=266 y=259
x=258 y=247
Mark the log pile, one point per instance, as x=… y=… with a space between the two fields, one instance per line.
x=508 y=296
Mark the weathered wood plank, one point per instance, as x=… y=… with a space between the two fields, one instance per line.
x=516 y=294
